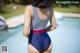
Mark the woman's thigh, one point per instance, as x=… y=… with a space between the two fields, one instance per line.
x=32 y=49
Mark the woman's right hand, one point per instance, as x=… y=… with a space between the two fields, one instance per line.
x=26 y=34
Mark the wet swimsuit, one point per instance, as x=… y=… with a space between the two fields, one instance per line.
x=38 y=36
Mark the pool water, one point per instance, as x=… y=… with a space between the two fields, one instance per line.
x=66 y=38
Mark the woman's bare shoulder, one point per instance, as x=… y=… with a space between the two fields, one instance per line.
x=28 y=7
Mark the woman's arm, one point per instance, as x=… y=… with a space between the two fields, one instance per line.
x=53 y=24
x=27 y=21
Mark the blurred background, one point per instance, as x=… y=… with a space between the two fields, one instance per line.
x=66 y=38
x=9 y=8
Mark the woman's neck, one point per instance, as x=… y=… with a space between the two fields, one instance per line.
x=43 y=10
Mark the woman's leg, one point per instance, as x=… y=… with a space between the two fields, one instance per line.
x=32 y=49
x=49 y=49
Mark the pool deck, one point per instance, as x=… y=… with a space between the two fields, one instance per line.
x=15 y=21
x=71 y=15
x=18 y=20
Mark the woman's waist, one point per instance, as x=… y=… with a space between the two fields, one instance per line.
x=38 y=30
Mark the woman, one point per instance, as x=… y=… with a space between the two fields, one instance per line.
x=37 y=16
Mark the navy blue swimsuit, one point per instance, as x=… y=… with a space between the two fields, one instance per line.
x=38 y=36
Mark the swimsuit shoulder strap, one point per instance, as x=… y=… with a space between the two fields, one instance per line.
x=35 y=12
